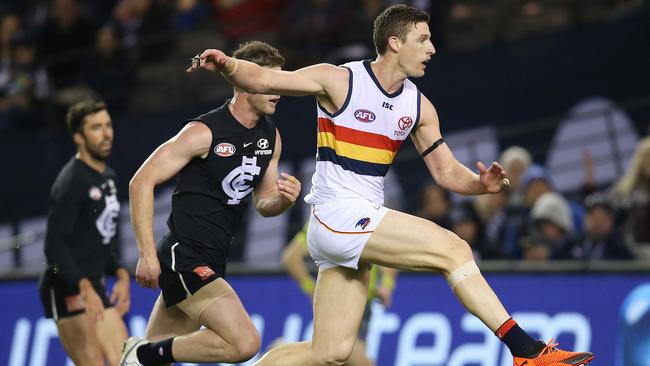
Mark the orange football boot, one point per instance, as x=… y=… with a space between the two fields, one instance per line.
x=551 y=356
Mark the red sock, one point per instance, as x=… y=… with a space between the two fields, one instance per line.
x=518 y=341
x=505 y=328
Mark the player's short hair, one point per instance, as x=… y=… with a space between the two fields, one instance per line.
x=260 y=53
x=77 y=113
x=396 y=20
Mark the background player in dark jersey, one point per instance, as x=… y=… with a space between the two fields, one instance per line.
x=220 y=158
x=79 y=245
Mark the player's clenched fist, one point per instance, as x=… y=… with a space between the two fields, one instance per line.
x=289 y=187
x=147 y=272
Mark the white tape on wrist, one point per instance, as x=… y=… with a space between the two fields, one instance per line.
x=234 y=70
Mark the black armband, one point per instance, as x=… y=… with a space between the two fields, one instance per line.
x=433 y=146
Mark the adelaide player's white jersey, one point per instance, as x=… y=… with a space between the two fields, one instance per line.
x=357 y=144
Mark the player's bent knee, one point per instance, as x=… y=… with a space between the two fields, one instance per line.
x=457 y=254
x=113 y=356
x=90 y=356
x=246 y=347
x=335 y=357
x=332 y=361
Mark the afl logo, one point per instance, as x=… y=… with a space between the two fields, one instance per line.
x=224 y=149
x=95 y=193
x=404 y=123
x=364 y=115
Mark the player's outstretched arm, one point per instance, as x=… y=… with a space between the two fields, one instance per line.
x=387 y=285
x=167 y=160
x=319 y=80
x=293 y=259
x=443 y=166
x=276 y=192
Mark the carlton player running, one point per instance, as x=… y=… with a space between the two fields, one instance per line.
x=79 y=245
x=221 y=158
x=365 y=111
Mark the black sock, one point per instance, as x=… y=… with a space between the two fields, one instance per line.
x=156 y=353
x=518 y=341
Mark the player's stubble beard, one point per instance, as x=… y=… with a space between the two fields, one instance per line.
x=96 y=152
x=263 y=109
x=261 y=104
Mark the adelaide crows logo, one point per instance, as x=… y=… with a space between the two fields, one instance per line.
x=363 y=223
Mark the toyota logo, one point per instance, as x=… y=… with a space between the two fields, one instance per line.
x=404 y=123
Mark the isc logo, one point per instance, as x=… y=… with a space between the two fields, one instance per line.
x=364 y=115
x=224 y=149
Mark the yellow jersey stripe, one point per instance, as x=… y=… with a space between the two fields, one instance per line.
x=352 y=151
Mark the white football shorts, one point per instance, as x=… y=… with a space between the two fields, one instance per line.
x=338 y=231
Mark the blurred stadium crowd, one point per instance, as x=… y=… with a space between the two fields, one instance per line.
x=55 y=52
x=534 y=221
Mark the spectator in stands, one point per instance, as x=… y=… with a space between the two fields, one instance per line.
x=601 y=240
x=536 y=181
x=109 y=71
x=316 y=28
x=632 y=195
x=515 y=160
x=243 y=20
x=492 y=210
x=436 y=203
x=517 y=222
x=10 y=26
x=64 y=41
x=146 y=26
x=589 y=184
x=552 y=233
x=467 y=224
x=189 y=13
x=24 y=89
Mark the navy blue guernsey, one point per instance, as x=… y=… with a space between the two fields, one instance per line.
x=212 y=193
x=82 y=224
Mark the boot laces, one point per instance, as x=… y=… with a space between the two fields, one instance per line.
x=550 y=347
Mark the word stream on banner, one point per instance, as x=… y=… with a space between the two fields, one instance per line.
x=426 y=325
